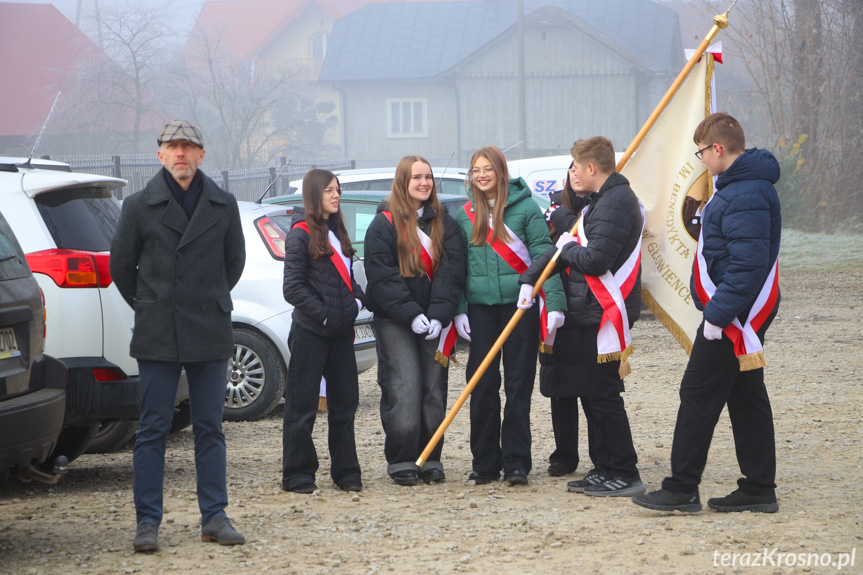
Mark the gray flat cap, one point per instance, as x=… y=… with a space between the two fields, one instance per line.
x=180 y=130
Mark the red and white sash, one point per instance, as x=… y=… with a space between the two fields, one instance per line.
x=517 y=255
x=448 y=335
x=614 y=342
x=747 y=346
x=338 y=258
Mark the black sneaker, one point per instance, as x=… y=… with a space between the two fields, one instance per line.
x=740 y=501
x=406 y=477
x=433 y=475
x=663 y=500
x=616 y=486
x=481 y=478
x=558 y=469
x=353 y=485
x=593 y=477
x=516 y=477
x=304 y=488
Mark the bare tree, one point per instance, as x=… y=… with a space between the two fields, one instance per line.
x=115 y=98
x=804 y=64
x=250 y=117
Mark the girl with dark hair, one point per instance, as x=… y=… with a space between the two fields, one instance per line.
x=415 y=267
x=319 y=283
x=503 y=230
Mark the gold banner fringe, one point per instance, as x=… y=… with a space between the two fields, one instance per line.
x=624 y=370
x=666 y=321
x=545 y=348
x=441 y=358
x=752 y=361
x=322 y=404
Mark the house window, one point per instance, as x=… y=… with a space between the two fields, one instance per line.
x=318 y=45
x=406 y=118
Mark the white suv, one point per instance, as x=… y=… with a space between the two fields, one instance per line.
x=64 y=222
x=451 y=180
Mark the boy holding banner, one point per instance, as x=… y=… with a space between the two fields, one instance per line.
x=735 y=278
x=603 y=291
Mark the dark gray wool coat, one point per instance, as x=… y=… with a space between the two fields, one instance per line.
x=177 y=273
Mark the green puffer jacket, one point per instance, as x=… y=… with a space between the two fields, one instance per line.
x=492 y=281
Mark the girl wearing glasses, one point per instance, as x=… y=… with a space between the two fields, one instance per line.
x=319 y=283
x=503 y=230
x=415 y=265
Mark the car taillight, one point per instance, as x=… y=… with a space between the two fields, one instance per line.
x=273 y=236
x=108 y=374
x=72 y=268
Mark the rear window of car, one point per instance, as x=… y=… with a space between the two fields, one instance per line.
x=13 y=264
x=80 y=218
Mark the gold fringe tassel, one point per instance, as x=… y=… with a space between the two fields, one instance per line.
x=441 y=358
x=322 y=404
x=624 y=369
x=752 y=361
x=545 y=348
x=666 y=321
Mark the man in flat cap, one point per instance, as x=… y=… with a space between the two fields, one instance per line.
x=177 y=252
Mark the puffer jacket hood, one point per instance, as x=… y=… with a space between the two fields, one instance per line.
x=753 y=164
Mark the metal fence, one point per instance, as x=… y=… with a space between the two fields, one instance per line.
x=138 y=169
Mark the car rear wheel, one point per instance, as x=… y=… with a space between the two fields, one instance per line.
x=256 y=377
x=113 y=436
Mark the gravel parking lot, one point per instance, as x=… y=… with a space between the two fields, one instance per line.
x=85 y=524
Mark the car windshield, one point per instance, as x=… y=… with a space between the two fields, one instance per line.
x=80 y=218
x=13 y=265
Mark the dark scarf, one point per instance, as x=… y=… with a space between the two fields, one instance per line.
x=188 y=199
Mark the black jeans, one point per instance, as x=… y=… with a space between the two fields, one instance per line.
x=713 y=379
x=604 y=408
x=311 y=357
x=494 y=445
x=564 y=422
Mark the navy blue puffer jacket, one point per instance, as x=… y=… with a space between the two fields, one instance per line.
x=741 y=229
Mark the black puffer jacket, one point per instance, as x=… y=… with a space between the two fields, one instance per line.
x=402 y=299
x=315 y=288
x=613 y=225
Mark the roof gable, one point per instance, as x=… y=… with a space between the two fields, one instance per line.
x=41 y=49
x=425 y=39
x=246 y=25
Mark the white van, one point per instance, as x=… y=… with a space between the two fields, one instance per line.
x=546 y=174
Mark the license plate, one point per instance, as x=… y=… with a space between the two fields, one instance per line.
x=8 y=343
x=363 y=332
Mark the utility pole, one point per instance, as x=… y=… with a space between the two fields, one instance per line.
x=522 y=105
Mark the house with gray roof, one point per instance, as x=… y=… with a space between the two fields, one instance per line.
x=437 y=78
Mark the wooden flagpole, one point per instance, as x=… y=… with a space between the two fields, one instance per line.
x=720 y=21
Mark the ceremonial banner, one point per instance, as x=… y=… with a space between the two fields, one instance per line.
x=674 y=187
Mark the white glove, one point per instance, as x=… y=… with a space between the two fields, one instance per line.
x=565 y=238
x=711 y=331
x=462 y=326
x=525 y=297
x=434 y=329
x=359 y=304
x=555 y=320
x=420 y=324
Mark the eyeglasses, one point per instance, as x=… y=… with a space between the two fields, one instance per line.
x=331 y=191
x=700 y=153
x=482 y=171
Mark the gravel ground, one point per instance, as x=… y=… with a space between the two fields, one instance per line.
x=85 y=524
